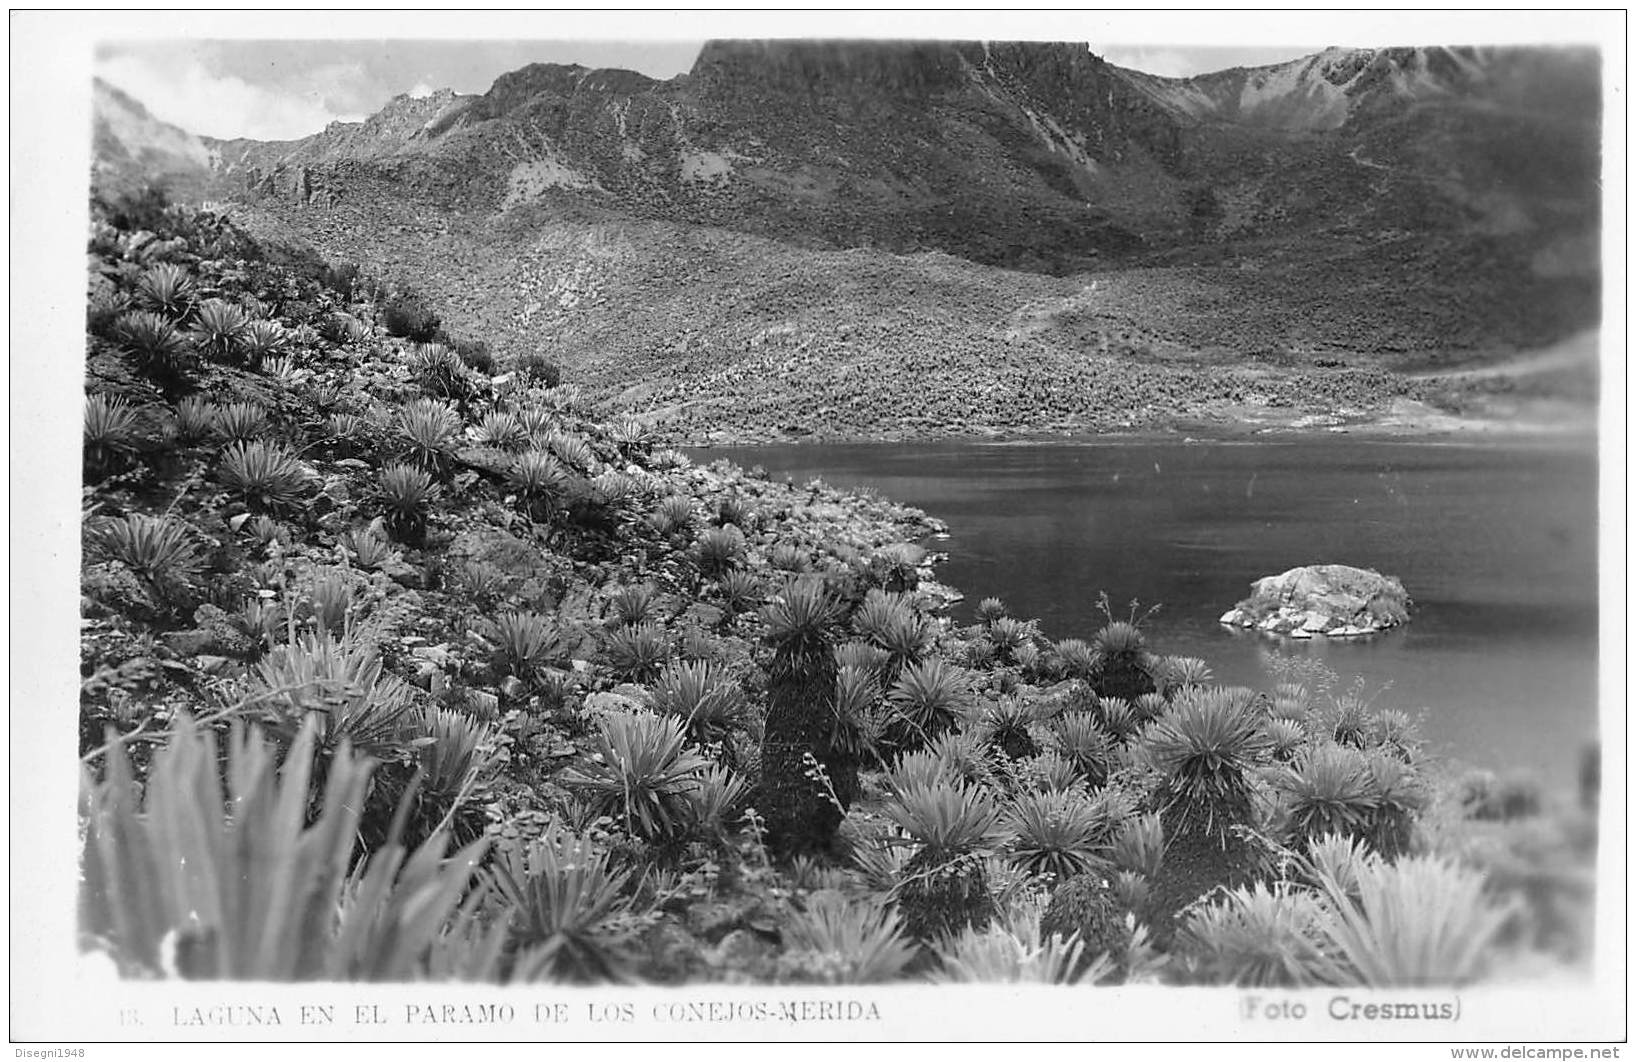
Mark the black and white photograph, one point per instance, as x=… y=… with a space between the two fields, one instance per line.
x=826 y=526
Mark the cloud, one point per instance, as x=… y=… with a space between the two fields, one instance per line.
x=342 y=86
x=180 y=89
x=282 y=89
x=1164 y=62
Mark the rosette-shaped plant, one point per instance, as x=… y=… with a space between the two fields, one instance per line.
x=572 y=450
x=642 y=774
x=1259 y=938
x=929 y=697
x=218 y=328
x=1078 y=739
x=860 y=721
x=263 y=475
x=161 y=550
x=719 y=549
x=153 y=342
x=241 y=422
x=1205 y=749
x=564 y=895
x=500 y=430
x=1056 y=834
x=1008 y=724
x=406 y=493
x=1329 y=790
x=540 y=481
x=838 y=939
x=261 y=340
x=952 y=828
x=633 y=603
x=524 y=642
x=110 y=432
x=195 y=417
x=428 y=431
x=1122 y=666
x=674 y=516
x=165 y=289
x=990 y=609
x=740 y=591
x=804 y=782
x=636 y=653
x=707 y=701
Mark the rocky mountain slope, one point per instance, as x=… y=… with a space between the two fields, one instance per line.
x=996 y=153
x=1030 y=155
x=802 y=216
x=1327 y=90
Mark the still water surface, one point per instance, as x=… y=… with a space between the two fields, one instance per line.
x=1495 y=542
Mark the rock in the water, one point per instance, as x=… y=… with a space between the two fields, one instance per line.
x=1332 y=600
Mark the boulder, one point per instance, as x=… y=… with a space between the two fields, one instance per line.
x=1322 y=600
x=432 y=664
x=670 y=954
x=632 y=692
x=743 y=953
x=613 y=704
x=213 y=635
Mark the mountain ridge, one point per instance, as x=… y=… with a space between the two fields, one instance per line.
x=1235 y=219
x=1097 y=159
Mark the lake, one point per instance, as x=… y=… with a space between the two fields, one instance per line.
x=1494 y=539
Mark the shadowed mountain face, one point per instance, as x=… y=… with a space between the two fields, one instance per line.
x=1387 y=203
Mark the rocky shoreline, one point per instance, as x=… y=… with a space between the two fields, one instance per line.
x=1402 y=419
